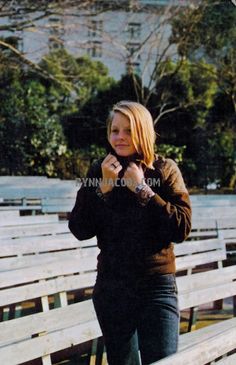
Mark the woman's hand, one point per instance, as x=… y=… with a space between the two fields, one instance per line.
x=110 y=171
x=133 y=176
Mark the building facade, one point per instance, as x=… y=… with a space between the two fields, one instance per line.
x=131 y=35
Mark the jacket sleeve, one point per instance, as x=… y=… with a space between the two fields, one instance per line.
x=82 y=220
x=174 y=208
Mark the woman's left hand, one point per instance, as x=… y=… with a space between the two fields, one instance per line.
x=133 y=176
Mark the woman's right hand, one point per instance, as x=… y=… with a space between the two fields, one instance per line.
x=110 y=171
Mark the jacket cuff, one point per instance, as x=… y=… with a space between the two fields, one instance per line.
x=156 y=200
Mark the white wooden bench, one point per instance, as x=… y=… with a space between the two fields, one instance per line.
x=64 y=326
x=35 y=193
x=213 y=199
x=205 y=345
x=12 y=218
x=68 y=325
x=38 y=239
x=209 y=343
x=191 y=254
x=216 y=212
x=30 y=230
x=31 y=251
x=224 y=227
x=58 y=204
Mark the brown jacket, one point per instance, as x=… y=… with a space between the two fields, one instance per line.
x=135 y=240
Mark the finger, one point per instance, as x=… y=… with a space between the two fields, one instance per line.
x=107 y=158
x=108 y=161
x=118 y=169
x=112 y=160
x=115 y=167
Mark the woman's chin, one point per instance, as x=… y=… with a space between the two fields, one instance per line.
x=122 y=153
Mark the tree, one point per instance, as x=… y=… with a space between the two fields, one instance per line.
x=207 y=32
x=88 y=125
x=32 y=110
x=79 y=80
x=31 y=138
x=149 y=47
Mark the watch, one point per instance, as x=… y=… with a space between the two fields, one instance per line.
x=144 y=193
x=139 y=188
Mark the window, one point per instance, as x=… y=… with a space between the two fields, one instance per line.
x=132 y=49
x=18 y=36
x=95 y=49
x=56 y=32
x=95 y=28
x=134 y=30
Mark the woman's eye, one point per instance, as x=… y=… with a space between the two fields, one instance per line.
x=114 y=131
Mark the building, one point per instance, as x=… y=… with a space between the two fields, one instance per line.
x=128 y=35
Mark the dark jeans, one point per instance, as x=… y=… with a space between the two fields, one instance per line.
x=142 y=316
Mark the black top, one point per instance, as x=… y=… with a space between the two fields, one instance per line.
x=134 y=239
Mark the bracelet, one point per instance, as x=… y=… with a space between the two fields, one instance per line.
x=144 y=194
x=100 y=194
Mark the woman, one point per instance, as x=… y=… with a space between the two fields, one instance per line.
x=139 y=207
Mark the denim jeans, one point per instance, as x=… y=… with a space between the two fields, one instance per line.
x=141 y=315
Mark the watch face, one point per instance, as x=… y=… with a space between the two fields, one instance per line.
x=139 y=188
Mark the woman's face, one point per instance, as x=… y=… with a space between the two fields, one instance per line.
x=120 y=136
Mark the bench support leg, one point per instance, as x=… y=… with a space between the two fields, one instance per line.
x=46 y=360
x=218 y=304
x=234 y=305
x=192 y=318
x=96 y=357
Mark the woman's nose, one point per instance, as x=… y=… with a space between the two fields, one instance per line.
x=120 y=135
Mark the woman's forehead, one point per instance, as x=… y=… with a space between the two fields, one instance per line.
x=120 y=119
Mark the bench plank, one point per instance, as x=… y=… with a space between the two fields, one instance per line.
x=32 y=219
x=206 y=350
x=34 y=230
x=229 y=360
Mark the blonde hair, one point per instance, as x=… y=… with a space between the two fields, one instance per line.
x=142 y=129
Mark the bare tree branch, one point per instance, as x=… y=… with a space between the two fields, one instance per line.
x=33 y=65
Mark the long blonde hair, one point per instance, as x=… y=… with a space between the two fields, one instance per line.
x=142 y=129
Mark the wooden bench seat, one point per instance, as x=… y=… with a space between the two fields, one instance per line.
x=27 y=251
x=23 y=208
x=11 y=220
x=191 y=254
x=76 y=323
x=57 y=204
x=50 y=271
x=205 y=345
x=34 y=230
x=213 y=199
x=224 y=228
x=229 y=360
x=214 y=212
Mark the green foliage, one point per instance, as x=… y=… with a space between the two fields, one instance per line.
x=78 y=80
x=206 y=34
x=194 y=82
x=32 y=108
x=88 y=125
x=171 y=151
x=81 y=159
x=182 y=100
x=210 y=25
x=32 y=139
